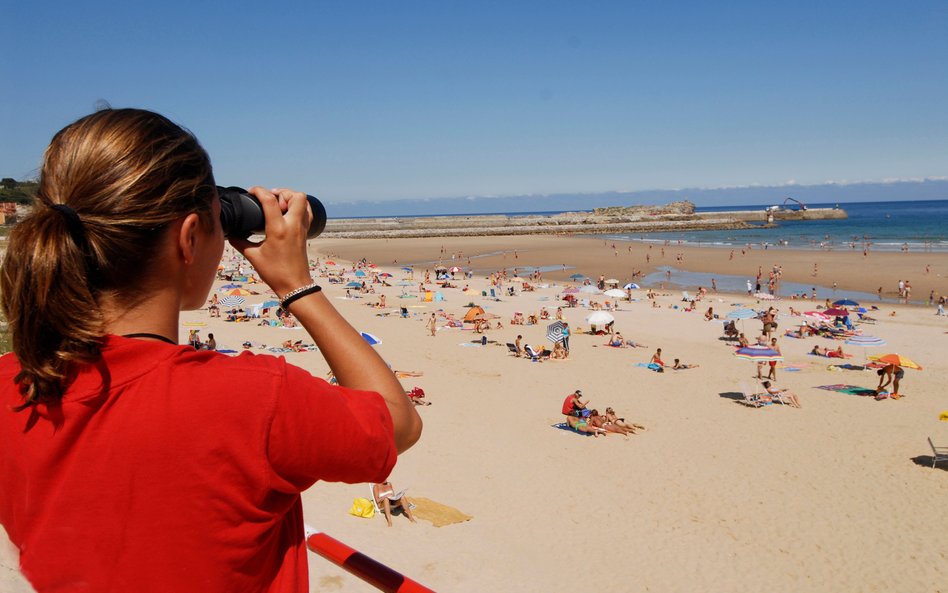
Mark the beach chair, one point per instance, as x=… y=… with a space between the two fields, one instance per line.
x=513 y=348
x=438 y=296
x=751 y=399
x=685 y=296
x=533 y=354
x=938 y=453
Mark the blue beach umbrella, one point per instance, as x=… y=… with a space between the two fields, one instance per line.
x=360 y=273
x=865 y=341
x=270 y=303
x=845 y=303
x=631 y=285
x=742 y=314
x=407 y=269
x=576 y=277
x=230 y=286
x=371 y=339
x=354 y=285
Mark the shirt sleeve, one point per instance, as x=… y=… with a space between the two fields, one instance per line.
x=326 y=432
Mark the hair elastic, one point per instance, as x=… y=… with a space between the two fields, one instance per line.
x=72 y=220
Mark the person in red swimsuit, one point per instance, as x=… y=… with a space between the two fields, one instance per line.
x=130 y=462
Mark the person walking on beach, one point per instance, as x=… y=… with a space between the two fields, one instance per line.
x=772 y=373
x=130 y=462
x=432 y=325
x=941 y=306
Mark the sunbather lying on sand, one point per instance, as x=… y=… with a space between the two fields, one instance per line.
x=610 y=416
x=584 y=426
x=678 y=366
x=838 y=353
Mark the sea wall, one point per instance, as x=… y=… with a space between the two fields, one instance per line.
x=678 y=216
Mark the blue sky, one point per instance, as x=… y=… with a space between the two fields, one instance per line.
x=392 y=100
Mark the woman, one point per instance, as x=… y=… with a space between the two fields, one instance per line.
x=152 y=466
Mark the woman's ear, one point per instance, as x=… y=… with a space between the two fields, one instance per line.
x=188 y=237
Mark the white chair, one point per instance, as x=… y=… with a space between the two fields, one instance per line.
x=938 y=453
x=752 y=399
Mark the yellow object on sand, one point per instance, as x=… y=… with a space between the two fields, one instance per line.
x=436 y=513
x=362 y=507
x=194 y=324
x=943 y=416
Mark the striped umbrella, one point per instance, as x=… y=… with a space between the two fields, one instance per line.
x=554 y=331
x=866 y=341
x=232 y=301
x=817 y=315
x=758 y=354
x=589 y=289
x=631 y=285
x=836 y=312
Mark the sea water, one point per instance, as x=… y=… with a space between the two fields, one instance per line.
x=920 y=225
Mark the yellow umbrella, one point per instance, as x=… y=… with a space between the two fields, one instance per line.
x=897 y=359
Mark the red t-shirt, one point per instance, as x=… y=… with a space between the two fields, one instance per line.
x=167 y=469
x=568 y=405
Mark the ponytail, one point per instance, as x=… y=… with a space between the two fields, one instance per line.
x=110 y=185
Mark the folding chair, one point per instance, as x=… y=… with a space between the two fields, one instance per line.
x=938 y=453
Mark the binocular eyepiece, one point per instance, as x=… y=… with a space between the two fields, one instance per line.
x=242 y=214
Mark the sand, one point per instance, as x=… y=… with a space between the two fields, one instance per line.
x=715 y=496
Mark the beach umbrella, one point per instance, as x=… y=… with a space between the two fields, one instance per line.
x=455 y=269
x=270 y=303
x=599 y=318
x=589 y=289
x=836 y=312
x=570 y=290
x=758 y=354
x=631 y=285
x=817 y=315
x=576 y=277
x=407 y=269
x=845 y=303
x=865 y=341
x=360 y=273
x=554 y=331
x=385 y=275
x=611 y=281
x=898 y=359
x=232 y=301
x=742 y=314
x=239 y=292
x=764 y=296
x=330 y=263
x=354 y=284
x=473 y=312
x=615 y=293
x=371 y=339
x=230 y=286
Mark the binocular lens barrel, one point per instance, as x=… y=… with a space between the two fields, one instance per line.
x=242 y=214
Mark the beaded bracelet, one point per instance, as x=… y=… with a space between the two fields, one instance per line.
x=298 y=294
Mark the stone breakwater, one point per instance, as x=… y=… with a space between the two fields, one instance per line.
x=678 y=216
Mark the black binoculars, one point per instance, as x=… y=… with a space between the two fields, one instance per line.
x=242 y=214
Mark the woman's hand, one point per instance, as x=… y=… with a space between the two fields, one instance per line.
x=281 y=258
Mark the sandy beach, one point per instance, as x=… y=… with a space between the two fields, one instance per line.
x=838 y=495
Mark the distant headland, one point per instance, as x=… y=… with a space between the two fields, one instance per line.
x=675 y=216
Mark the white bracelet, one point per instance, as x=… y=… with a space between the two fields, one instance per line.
x=298 y=293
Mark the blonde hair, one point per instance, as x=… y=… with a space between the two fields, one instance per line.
x=110 y=185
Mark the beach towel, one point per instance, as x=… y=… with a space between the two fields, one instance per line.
x=847 y=389
x=436 y=513
x=566 y=427
x=650 y=366
x=847 y=367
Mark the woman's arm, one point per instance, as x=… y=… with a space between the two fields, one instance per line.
x=281 y=261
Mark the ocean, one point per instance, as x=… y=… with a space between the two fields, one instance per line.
x=887 y=226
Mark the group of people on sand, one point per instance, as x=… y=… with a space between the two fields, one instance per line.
x=585 y=420
x=657 y=364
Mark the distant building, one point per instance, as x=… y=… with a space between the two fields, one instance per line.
x=7 y=212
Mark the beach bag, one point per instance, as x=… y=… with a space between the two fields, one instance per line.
x=362 y=507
